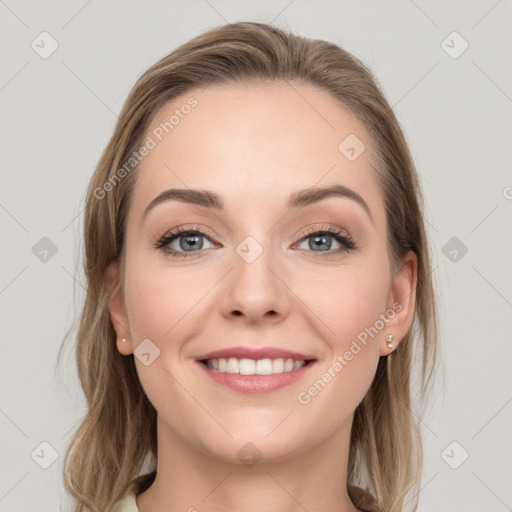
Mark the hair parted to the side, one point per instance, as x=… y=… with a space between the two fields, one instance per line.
x=117 y=437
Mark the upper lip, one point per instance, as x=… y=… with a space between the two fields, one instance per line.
x=255 y=353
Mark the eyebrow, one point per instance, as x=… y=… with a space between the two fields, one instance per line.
x=297 y=199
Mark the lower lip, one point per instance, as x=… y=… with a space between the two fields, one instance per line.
x=255 y=384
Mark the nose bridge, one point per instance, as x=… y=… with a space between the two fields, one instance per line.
x=255 y=290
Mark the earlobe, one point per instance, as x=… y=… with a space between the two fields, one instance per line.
x=403 y=302
x=117 y=310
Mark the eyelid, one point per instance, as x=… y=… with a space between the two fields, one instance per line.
x=341 y=235
x=163 y=242
x=315 y=228
x=180 y=230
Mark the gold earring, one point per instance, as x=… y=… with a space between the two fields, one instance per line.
x=389 y=339
x=123 y=340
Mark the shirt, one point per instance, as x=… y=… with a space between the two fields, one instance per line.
x=127 y=504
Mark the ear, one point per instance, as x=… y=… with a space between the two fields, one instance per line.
x=117 y=309
x=402 y=302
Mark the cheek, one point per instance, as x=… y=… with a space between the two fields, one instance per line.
x=342 y=304
x=160 y=303
x=352 y=309
x=350 y=304
x=164 y=307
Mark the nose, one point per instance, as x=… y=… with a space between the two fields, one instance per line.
x=255 y=292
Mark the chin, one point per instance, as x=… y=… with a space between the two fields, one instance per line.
x=250 y=446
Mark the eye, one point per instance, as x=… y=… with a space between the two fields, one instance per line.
x=322 y=240
x=182 y=241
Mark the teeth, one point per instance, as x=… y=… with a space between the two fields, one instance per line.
x=278 y=366
x=254 y=367
x=232 y=365
x=297 y=365
x=263 y=367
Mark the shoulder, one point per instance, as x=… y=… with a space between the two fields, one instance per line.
x=128 y=503
x=362 y=499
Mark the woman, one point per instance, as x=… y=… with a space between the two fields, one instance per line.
x=259 y=288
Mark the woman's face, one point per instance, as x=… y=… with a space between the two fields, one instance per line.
x=264 y=268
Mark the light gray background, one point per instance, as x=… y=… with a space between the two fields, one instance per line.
x=58 y=113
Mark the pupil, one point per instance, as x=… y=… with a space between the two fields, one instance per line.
x=322 y=240
x=192 y=240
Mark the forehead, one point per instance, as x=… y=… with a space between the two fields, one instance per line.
x=263 y=139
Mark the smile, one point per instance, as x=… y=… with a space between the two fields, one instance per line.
x=255 y=383
x=254 y=367
x=255 y=370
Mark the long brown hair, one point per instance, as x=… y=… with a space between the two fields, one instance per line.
x=116 y=441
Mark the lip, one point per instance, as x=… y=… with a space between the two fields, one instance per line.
x=255 y=353
x=256 y=384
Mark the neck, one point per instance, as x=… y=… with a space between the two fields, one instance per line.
x=189 y=479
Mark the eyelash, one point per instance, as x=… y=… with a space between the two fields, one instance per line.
x=163 y=243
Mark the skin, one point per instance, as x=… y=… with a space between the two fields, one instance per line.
x=254 y=144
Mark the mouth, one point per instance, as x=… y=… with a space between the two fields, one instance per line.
x=245 y=366
x=251 y=370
